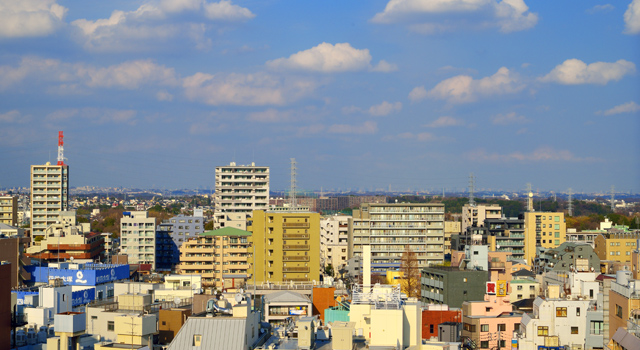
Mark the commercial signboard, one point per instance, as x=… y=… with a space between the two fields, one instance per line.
x=20 y=297
x=82 y=297
x=90 y=276
x=498 y=288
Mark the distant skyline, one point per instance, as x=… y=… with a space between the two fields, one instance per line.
x=415 y=94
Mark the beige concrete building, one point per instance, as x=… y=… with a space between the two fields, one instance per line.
x=241 y=188
x=450 y=228
x=8 y=210
x=138 y=237
x=49 y=196
x=287 y=246
x=543 y=229
x=616 y=246
x=390 y=228
x=219 y=256
x=334 y=241
x=474 y=215
x=235 y=220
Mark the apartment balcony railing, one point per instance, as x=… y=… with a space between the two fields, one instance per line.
x=295 y=258
x=496 y=265
x=295 y=247
x=295 y=225
x=295 y=269
x=295 y=236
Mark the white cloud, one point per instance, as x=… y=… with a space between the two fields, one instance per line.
x=368 y=127
x=431 y=16
x=127 y=75
x=509 y=118
x=13 y=116
x=463 y=88
x=130 y=75
x=600 y=8
x=632 y=18
x=629 y=107
x=164 y=95
x=418 y=93
x=385 y=67
x=574 y=71
x=444 y=122
x=385 y=108
x=422 y=137
x=139 y=29
x=328 y=58
x=245 y=89
x=30 y=18
x=95 y=115
x=542 y=154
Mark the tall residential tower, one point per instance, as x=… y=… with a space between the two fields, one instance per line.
x=49 y=196
x=241 y=188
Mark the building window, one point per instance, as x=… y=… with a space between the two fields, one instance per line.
x=519 y=287
x=502 y=327
x=110 y=326
x=430 y=328
x=561 y=312
x=484 y=328
x=502 y=343
x=577 y=311
x=543 y=330
x=484 y=344
x=596 y=327
x=574 y=330
x=197 y=339
x=618 y=311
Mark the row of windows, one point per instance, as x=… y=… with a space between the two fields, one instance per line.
x=562 y=311
x=618 y=253
x=544 y=330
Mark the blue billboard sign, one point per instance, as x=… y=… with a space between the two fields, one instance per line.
x=20 y=297
x=82 y=297
x=91 y=275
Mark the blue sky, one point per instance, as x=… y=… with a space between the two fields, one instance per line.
x=412 y=94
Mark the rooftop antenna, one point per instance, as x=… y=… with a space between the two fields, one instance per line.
x=292 y=191
x=472 y=181
x=570 y=207
x=60 y=148
x=613 y=205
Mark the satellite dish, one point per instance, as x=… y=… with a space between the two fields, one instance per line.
x=177 y=300
x=71 y=258
x=238 y=298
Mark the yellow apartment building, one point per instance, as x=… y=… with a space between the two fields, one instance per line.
x=9 y=210
x=217 y=255
x=616 y=246
x=287 y=246
x=543 y=229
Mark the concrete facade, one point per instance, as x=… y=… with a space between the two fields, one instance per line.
x=241 y=188
x=543 y=229
x=390 y=228
x=334 y=241
x=616 y=246
x=8 y=210
x=452 y=286
x=49 y=196
x=474 y=215
x=138 y=237
x=287 y=246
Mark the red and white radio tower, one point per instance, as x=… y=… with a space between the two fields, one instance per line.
x=60 y=148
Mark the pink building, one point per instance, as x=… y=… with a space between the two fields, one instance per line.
x=490 y=323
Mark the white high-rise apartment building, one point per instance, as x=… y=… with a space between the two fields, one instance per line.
x=241 y=188
x=334 y=241
x=138 y=237
x=390 y=228
x=49 y=196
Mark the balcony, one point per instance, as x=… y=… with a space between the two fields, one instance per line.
x=295 y=258
x=295 y=225
x=496 y=265
x=295 y=247
x=296 y=269
x=295 y=236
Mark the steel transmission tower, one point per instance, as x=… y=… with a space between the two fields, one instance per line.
x=292 y=191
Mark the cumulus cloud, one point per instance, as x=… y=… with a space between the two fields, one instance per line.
x=509 y=118
x=431 y=16
x=632 y=18
x=13 y=116
x=368 y=127
x=600 y=8
x=422 y=137
x=137 y=29
x=164 y=95
x=463 y=88
x=328 y=58
x=245 y=89
x=30 y=18
x=542 y=154
x=444 y=122
x=418 y=93
x=629 y=107
x=94 y=115
x=574 y=72
x=127 y=75
x=385 y=108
